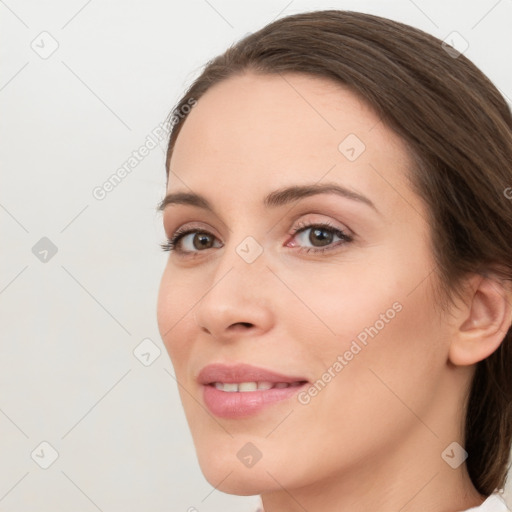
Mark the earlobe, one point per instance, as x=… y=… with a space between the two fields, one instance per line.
x=483 y=323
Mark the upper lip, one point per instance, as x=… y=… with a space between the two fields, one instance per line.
x=242 y=373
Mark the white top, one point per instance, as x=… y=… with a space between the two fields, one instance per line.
x=494 y=503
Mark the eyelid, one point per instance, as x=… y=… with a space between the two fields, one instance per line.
x=195 y=225
x=323 y=222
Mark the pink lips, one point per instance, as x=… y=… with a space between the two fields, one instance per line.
x=236 y=404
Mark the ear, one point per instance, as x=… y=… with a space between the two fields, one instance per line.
x=482 y=322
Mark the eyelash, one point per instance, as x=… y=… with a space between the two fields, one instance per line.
x=171 y=244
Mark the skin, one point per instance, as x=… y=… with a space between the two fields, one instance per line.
x=372 y=438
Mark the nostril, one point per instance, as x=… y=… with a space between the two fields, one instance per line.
x=245 y=324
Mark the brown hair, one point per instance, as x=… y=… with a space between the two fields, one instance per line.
x=458 y=129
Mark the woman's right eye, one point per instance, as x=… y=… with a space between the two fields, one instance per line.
x=190 y=241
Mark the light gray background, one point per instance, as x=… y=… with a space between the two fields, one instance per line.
x=70 y=324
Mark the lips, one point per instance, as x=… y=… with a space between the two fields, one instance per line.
x=243 y=390
x=243 y=373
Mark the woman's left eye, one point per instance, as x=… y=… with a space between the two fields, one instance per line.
x=320 y=237
x=311 y=238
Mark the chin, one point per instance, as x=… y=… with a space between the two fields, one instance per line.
x=230 y=476
x=240 y=482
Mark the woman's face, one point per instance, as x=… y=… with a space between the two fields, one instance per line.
x=345 y=304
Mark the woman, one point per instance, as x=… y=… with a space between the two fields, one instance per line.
x=337 y=299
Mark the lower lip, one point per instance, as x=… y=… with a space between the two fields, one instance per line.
x=237 y=404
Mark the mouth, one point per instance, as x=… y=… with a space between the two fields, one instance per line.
x=237 y=391
x=244 y=387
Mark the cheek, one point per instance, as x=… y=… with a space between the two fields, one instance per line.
x=175 y=314
x=338 y=300
x=377 y=314
x=384 y=362
x=389 y=343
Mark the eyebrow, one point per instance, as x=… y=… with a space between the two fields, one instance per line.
x=275 y=199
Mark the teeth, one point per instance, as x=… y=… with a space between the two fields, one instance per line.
x=248 y=386
x=227 y=387
x=231 y=387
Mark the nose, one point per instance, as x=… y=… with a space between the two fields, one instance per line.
x=237 y=301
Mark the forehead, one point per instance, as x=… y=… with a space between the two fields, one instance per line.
x=252 y=133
